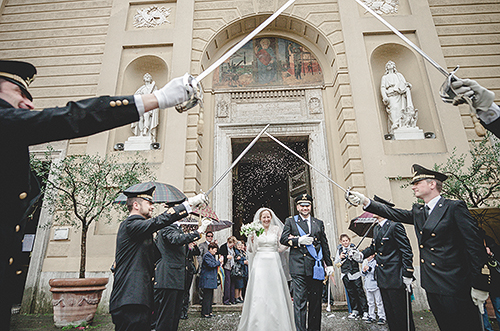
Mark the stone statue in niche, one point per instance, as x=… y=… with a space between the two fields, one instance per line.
x=148 y=123
x=396 y=95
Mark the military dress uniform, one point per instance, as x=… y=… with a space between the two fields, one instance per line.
x=170 y=275
x=131 y=302
x=394 y=257
x=21 y=128
x=305 y=289
x=452 y=255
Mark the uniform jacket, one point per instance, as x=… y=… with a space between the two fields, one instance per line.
x=208 y=273
x=135 y=251
x=171 y=269
x=20 y=128
x=301 y=262
x=452 y=253
x=393 y=255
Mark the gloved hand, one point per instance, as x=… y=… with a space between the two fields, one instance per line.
x=204 y=225
x=198 y=200
x=483 y=98
x=407 y=281
x=479 y=298
x=355 y=198
x=174 y=93
x=355 y=255
x=329 y=271
x=305 y=240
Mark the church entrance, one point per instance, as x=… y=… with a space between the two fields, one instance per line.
x=268 y=176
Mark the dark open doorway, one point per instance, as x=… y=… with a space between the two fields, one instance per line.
x=268 y=176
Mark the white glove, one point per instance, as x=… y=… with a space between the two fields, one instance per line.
x=174 y=93
x=305 y=240
x=329 y=271
x=479 y=298
x=355 y=198
x=355 y=255
x=407 y=281
x=204 y=225
x=483 y=98
x=197 y=200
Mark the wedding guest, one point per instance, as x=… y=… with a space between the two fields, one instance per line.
x=239 y=281
x=208 y=279
x=373 y=295
x=351 y=276
x=267 y=305
x=227 y=251
x=209 y=237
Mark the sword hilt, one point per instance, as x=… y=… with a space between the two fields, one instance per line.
x=195 y=94
x=347 y=194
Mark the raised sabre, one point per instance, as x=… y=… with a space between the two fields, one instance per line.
x=197 y=95
x=446 y=92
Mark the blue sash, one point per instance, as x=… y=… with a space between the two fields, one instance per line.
x=318 y=270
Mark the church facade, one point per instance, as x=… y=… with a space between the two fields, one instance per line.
x=315 y=74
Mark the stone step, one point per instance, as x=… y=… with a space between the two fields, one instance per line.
x=337 y=306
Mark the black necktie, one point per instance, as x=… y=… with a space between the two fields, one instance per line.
x=427 y=211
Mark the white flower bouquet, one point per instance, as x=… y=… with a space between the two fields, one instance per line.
x=252 y=228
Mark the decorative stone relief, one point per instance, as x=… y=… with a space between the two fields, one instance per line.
x=151 y=17
x=314 y=104
x=383 y=7
x=223 y=104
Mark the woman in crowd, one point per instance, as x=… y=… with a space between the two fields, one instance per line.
x=240 y=260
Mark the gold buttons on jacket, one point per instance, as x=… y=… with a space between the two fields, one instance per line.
x=421 y=246
x=433 y=264
x=420 y=232
x=422 y=260
x=18 y=227
x=433 y=234
x=380 y=253
x=19 y=272
x=23 y=195
x=381 y=264
x=11 y=260
x=432 y=248
x=125 y=102
x=118 y=103
x=112 y=103
x=304 y=255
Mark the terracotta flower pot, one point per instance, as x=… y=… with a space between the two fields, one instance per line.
x=75 y=300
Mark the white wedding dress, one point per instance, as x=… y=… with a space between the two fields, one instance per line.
x=267 y=304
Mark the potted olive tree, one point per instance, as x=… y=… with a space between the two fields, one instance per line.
x=79 y=191
x=475 y=178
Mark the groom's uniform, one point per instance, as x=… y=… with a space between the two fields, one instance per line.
x=304 y=287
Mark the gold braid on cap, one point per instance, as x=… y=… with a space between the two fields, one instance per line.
x=419 y=177
x=16 y=78
x=145 y=196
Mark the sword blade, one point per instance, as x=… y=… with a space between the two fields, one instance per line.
x=304 y=160
x=406 y=40
x=242 y=43
x=237 y=159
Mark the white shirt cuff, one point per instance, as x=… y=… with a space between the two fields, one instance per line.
x=139 y=105
x=489 y=116
x=187 y=206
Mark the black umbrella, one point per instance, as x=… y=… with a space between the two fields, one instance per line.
x=362 y=225
x=163 y=193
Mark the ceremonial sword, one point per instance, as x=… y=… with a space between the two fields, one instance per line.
x=197 y=95
x=446 y=92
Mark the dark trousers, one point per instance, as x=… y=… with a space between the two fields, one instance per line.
x=228 y=287
x=206 y=302
x=306 y=289
x=356 y=294
x=185 y=299
x=169 y=307
x=132 y=318
x=397 y=305
x=455 y=313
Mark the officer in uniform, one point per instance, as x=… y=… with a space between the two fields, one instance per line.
x=131 y=301
x=20 y=128
x=171 y=272
x=394 y=271
x=305 y=288
x=452 y=254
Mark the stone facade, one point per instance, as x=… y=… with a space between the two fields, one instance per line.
x=89 y=47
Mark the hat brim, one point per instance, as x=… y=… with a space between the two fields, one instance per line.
x=23 y=88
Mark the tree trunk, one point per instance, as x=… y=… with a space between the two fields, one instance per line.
x=83 y=251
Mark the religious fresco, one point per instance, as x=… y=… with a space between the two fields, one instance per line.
x=269 y=62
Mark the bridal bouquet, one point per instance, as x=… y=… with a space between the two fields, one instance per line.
x=251 y=228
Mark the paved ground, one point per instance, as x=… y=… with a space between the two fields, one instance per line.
x=224 y=320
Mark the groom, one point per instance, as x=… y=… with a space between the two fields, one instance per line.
x=305 y=235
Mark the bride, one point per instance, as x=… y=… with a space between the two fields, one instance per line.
x=267 y=304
